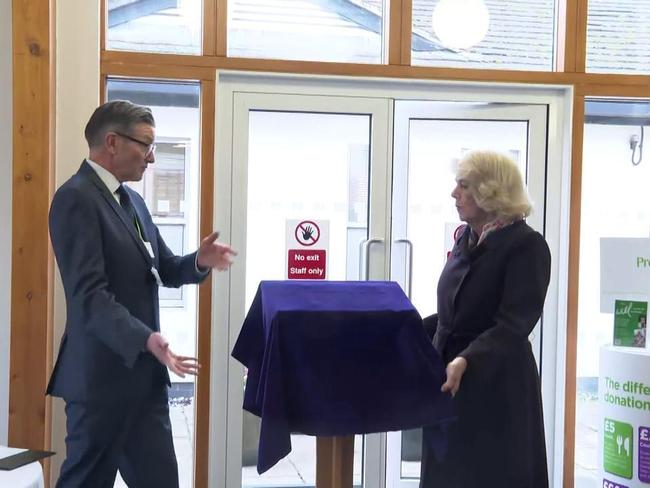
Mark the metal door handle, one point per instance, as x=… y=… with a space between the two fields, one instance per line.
x=409 y=281
x=364 y=247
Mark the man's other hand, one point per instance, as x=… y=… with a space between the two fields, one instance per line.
x=180 y=365
x=213 y=254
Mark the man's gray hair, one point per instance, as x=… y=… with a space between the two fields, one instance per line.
x=117 y=115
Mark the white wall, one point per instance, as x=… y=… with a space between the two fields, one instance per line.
x=6 y=84
x=77 y=95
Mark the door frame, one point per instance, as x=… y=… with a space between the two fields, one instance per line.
x=558 y=98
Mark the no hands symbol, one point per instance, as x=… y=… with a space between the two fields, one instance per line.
x=307 y=233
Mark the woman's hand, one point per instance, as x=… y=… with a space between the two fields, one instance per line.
x=455 y=371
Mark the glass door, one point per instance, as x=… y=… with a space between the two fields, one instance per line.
x=429 y=140
x=375 y=160
x=301 y=158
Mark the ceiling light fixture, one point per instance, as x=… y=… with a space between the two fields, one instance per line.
x=460 y=24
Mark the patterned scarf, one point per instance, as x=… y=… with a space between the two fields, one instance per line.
x=487 y=230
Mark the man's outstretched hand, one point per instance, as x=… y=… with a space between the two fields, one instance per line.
x=213 y=254
x=180 y=365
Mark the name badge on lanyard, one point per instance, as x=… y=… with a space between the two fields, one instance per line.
x=155 y=274
x=154 y=271
x=147 y=245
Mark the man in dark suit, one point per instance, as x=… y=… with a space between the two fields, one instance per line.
x=112 y=364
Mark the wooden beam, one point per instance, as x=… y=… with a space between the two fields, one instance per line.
x=209 y=27
x=103 y=80
x=572 y=36
x=222 y=28
x=32 y=263
x=614 y=81
x=614 y=91
x=406 y=32
x=566 y=36
x=334 y=462
x=103 y=22
x=202 y=67
x=155 y=70
x=399 y=32
x=197 y=67
x=572 y=291
x=202 y=424
x=580 y=58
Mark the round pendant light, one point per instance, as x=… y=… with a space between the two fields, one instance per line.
x=460 y=24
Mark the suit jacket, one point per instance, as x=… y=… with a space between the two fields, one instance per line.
x=489 y=300
x=111 y=293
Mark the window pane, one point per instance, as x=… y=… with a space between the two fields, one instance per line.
x=618 y=36
x=607 y=170
x=166 y=195
x=311 y=30
x=159 y=26
x=487 y=34
x=170 y=188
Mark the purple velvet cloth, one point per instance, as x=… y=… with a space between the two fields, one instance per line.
x=337 y=358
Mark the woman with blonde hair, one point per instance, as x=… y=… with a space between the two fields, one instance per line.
x=490 y=296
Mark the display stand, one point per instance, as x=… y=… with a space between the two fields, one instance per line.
x=624 y=417
x=336 y=359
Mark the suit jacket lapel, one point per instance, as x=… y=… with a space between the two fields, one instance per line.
x=89 y=173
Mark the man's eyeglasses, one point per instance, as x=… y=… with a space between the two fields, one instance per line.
x=150 y=149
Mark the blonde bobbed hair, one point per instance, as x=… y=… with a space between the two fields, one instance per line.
x=496 y=184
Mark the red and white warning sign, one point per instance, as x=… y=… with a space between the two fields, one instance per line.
x=307 y=246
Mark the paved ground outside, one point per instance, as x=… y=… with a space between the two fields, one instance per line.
x=586 y=452
x=181 y=412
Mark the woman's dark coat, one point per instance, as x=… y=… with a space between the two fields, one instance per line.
x=489 y=300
